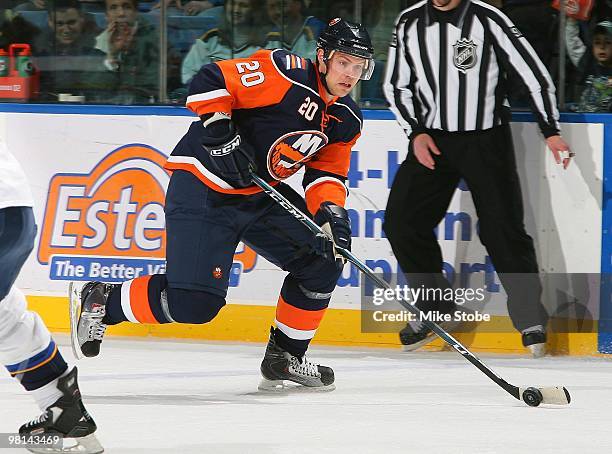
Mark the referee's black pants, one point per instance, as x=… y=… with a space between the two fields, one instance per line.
x=420 y=197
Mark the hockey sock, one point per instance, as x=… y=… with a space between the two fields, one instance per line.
x=138 y=301
x=48 y=394
x=40 y=369
x=26 y=348
x=298 y=314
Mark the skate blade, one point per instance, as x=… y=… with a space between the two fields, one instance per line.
x=74 y=296
x=81 y=445
x=537 y=350
x=286 y=386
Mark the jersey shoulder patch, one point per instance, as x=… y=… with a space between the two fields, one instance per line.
x=292 y=66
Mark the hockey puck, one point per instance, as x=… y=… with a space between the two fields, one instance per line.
x=532 y=397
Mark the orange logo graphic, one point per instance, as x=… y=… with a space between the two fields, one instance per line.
x=109 y=224
x=289 y=153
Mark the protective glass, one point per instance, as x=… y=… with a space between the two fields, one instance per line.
x=357 y=67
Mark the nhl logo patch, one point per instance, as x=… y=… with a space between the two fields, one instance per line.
x=464 y=56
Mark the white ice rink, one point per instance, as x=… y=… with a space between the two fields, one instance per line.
x=149 y=396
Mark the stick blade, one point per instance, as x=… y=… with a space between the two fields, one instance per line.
x=553 y=395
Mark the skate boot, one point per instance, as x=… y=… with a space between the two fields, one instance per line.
x=534 y=339
x=279 y=365
x=66 y=418
x=416 y=335
x=87 y=311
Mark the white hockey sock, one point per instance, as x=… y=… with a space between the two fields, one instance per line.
x=46 y=395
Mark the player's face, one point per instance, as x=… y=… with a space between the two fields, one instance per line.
x=602 y=49
x=121 y=11
x=68 y=25
x=343 y=73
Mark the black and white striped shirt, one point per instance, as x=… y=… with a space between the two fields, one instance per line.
x=450 y=70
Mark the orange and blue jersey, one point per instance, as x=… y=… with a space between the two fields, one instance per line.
x=274 y=98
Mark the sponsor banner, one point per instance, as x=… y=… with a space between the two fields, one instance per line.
x=99 y=185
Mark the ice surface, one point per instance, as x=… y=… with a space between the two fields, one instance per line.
x=151 y=396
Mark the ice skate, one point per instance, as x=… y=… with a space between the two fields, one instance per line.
x=416 y=335
x=535 y=340
x=66 y=418
x=87 y=309
x=280 y=366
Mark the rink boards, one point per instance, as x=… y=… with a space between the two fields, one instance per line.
x=98 y=184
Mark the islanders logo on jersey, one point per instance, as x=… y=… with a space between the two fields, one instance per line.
x=291 y=151
x=109 y=224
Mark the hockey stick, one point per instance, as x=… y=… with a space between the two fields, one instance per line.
x=533 y=396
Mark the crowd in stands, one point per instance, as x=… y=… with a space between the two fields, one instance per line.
x=108 y=51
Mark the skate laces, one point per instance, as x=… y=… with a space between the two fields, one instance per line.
x=304 y=367
x=42 y=418
x=96 y=331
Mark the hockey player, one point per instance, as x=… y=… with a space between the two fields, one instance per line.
x=26 y=347
x=279 y=112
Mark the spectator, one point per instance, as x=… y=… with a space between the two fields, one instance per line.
x=293 y=30
x=236 y=37
x=195 y=7
x=132 y=52
x=378 y=16
x=173 y=7
x=32 y=5
x=596 y=66
x=92 y=6
x=191 y=8
x=66 y=55
x=15 y=29
x=536 y=19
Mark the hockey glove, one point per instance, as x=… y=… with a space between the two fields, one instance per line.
x=230 y=155
x=335 y=222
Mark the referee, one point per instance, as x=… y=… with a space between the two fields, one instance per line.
x=447 y=82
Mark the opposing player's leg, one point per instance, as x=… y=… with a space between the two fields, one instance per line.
x=27 y=349
x=303 y=299
x=417 y=203
x=202 y=232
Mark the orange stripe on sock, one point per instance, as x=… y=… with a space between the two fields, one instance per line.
x=53 y=354
x=139 y=300
x=297 y=318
